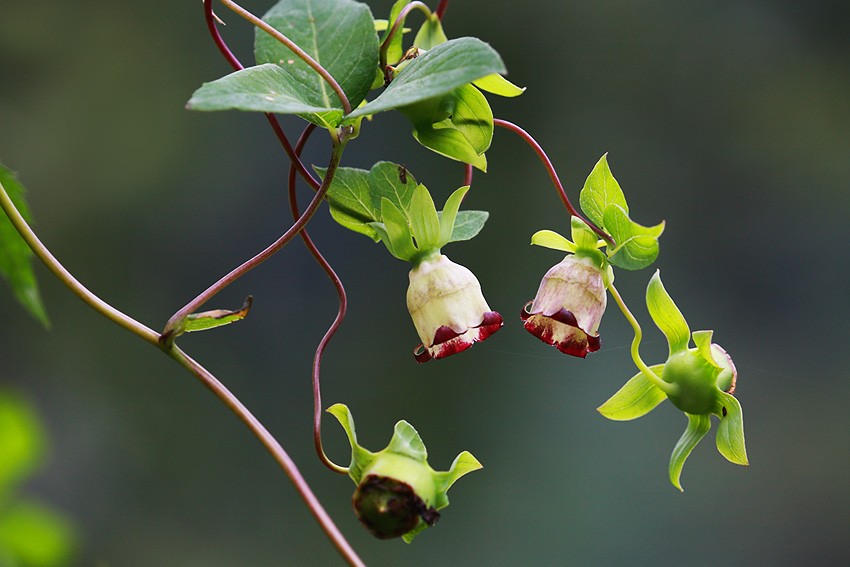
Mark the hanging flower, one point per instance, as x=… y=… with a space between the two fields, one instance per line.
x=448 y=309
x=568 y=307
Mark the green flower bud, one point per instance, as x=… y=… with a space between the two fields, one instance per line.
x=697 y=380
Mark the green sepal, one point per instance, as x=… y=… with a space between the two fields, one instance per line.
x=211 y=319
x=498 y=85
x=698 y=426
x=435 y=73
x=360 y=458
x=15 y=253
x=730 y=432
x=666 y=315
x=553 y=240
x=398 y=232
x=583 y=235
x=424 y=222
x=449 y=214
x=601 y=190
x=431 y=33
x=464 y=463
x=636 y=245
x=450 y=143
x=702 y=340
x=636 y=398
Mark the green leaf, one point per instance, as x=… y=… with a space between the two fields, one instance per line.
x=264 y=88
x=600 y=190
x=637 y=246
x=355 y=195
x=730 y=432
x=472 y=117
x=636 y=398
x=431 y=33
x=338 y=34
x=463 y=464
x=583 y=236
x=360 y=457
x=449 y=214
x=22 y=438
x=394 y=49
x=36 y=536
x=406 y=441
x=437 y=72
x=666 y=315
x=449 y=143
x=553 y=240
x=468 y=224
x=398 y=232
x=424 y=222
x=698 y=426
x=215 y=318
x=15 y=253
x=498 y=85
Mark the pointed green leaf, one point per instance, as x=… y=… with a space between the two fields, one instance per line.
x=464 y=463
x=406 y=441
x=22 y=438
x=498 y=85
x=730 y=432
x=394 y=50
x=381 y=230
x=698 y=426
x=431 y=33
x=264 y=88
x=600 y=190
x=551 y=239
x=350 y=200
x=637 y=246
x=666 y=315
x=636 y=398
x=338 y=34
x=472 y=117
x=450 y=143
x=424 y=222
x=449 y=214
x=394 y=182
x=468 y=224
x=583 y=236
x=15 y=253
x=36 y=535
x=398 y=231
x=360 y=457
x=437 y=72
x=215 y=318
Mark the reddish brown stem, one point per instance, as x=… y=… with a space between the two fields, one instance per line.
x=553 y=175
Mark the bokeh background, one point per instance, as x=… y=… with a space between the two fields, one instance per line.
x=729 y=119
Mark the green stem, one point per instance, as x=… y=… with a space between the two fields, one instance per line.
x=665 y=387
x=346 y=105
x=67 y=279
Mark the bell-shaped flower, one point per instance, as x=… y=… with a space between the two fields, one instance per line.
x=448 y=309
x=398 y=493
x=444 y=298
x=571 y=299
x=699 y=381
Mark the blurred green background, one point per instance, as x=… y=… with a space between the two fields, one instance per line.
x=729 y=119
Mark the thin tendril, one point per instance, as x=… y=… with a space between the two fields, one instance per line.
x=192 y=306
x=665 y=387
x=273 y=121
x=553 y=175
x=385 y=45
x=300 y=53
x=343 y=305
